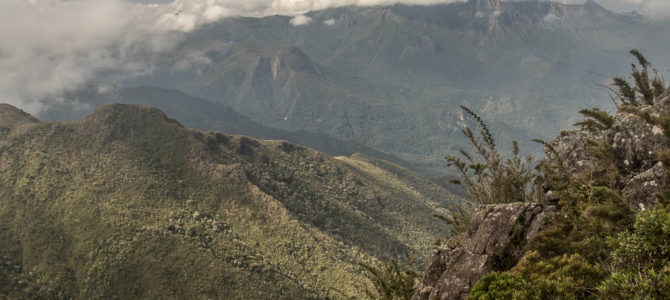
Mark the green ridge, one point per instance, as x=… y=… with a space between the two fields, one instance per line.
x=128 y=203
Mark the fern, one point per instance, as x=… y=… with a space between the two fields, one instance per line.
x=487 y=176
x=647 y=90
x=596 y=120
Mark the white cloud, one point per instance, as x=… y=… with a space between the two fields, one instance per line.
x=551 y=18
x=330 y=22
x=300 y=20
x=656 y=9
x=49 y=46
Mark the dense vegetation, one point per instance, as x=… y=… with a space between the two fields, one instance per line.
x=128 y=203
x=597 y=245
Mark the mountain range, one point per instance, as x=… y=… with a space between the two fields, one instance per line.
x=392 y=78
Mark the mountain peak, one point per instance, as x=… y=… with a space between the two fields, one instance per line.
x=10 y=115
x=485 y=4
x=294 y=58
x=592 y=4
x=114 y=116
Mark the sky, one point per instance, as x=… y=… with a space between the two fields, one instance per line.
x=53 y=46
x=614 y=5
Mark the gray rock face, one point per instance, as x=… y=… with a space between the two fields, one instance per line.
x=486 y=4
x=634 y=144
x=640 y=191
x=571 y=152
x=494 y=242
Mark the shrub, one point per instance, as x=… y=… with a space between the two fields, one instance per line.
x=392 y=281
x=496 y=285
x=561 y=277
x=488 y=177
x=647 y=245
x=641 y=259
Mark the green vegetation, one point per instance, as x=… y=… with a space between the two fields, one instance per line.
x=488 y=177
x=596 y=247
x=645 y=89
x=596 y=121
x=128 y=203
x=392 y=281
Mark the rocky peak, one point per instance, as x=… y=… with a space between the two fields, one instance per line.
x=294 y=59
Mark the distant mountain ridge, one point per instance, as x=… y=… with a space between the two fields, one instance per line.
x=206 y=115
x=392 y=77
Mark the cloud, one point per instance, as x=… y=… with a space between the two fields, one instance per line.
x=300 y=20
x=50 y=47
x=551 y=18
x=656 y=9
x=330 y=22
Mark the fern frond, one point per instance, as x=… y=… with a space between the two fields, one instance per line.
x=626 y=92
x=640 y=58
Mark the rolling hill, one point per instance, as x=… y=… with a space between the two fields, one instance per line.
x=128 y=203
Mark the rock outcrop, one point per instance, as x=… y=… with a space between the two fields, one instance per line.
x=626 y=152
x=494 y=242
x=570 y=152
x=633 y=144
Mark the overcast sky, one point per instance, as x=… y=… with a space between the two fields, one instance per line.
x=615 y=5
x=51 y=46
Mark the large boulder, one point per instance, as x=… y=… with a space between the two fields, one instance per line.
x=570 y=152
x=494 y=242
x=640 y=192
x=635 y=142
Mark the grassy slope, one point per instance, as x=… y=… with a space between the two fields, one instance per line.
x=126 y=202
